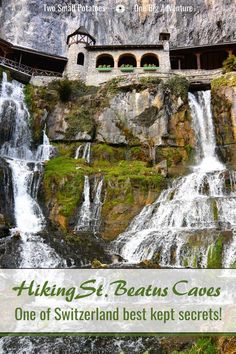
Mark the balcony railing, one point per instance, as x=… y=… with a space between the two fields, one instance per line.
x=25 y=69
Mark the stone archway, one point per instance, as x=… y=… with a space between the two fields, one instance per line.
x=105 y=59
x=127 y=59
x=149 y=59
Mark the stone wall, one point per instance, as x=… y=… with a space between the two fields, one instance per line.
x=42 y=80
x=89 y=72
x=74 y=71
x=91 y=76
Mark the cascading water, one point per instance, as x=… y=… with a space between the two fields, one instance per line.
x=85 y=210
x=89 y=214
x=45 y=150
x=201 y=201
x=26 y=166
x=84 y=152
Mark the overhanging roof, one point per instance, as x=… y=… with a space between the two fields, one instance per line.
x=203 y=46
x=11 y=46
x=33 y=51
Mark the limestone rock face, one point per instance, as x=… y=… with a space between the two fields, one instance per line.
x=44 y=25
x=224 y=113
x=139 y=114
x=132 y=116
x=6 y=195
x=58 y=126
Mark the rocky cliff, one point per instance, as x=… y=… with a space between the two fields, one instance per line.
x=140 y=134
x=224 y=113
x=44 y=25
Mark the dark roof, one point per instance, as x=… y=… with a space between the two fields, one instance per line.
x=31 y=51
x=6 y=43
x=125 y=46
x=203 y=46
x=81 y=30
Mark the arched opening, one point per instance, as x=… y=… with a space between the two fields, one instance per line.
x=80 y=59
x=127 y=60
x=105 y=60
x=149 y=59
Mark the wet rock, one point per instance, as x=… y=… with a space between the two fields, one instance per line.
x=224 y=115
x=162 y=168
x=116 y=258
x=16 y=235
x=11 y=252
x=78 y=249
x=6 y=193
x=4 y=231
x=2 y=219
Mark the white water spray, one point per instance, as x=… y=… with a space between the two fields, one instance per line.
x=84 y=152
x=90 y=212
x=202 y=200
x=24 y=163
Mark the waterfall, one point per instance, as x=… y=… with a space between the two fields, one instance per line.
x=85 y=210
x=97 y=205
x=87 y=152
x=26 y=166
x=200 y=106
x=84 y=152
x=78 y=152
x=202 y=200
x=90 y=211
x=45 y=150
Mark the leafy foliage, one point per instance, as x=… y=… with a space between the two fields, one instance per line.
x=178 y=86
x=64 y=90
x=229 y=64
x=202 y=346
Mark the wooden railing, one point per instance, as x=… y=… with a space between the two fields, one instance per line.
x=25 y=69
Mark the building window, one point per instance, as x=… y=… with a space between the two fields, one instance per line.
x=80 y=59
x=127 y=59
x=105 y=60
x=149 y=59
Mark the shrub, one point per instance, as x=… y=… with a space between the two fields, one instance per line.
x=178 y=86
x=202 y=346
x=64 y=90
x=229 y=64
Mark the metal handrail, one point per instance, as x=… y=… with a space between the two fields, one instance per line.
x=27 y=69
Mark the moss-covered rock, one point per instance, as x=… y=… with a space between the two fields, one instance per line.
x=178 y=87
x=224 y=115
x=214 y=256
x=128 y=186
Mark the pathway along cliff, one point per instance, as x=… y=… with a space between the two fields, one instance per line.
x=203 y=200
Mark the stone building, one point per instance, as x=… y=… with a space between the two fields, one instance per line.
x=96 y=64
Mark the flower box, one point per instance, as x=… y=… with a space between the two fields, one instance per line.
x=127 y=70
x=104 y=69
x=150 y=68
